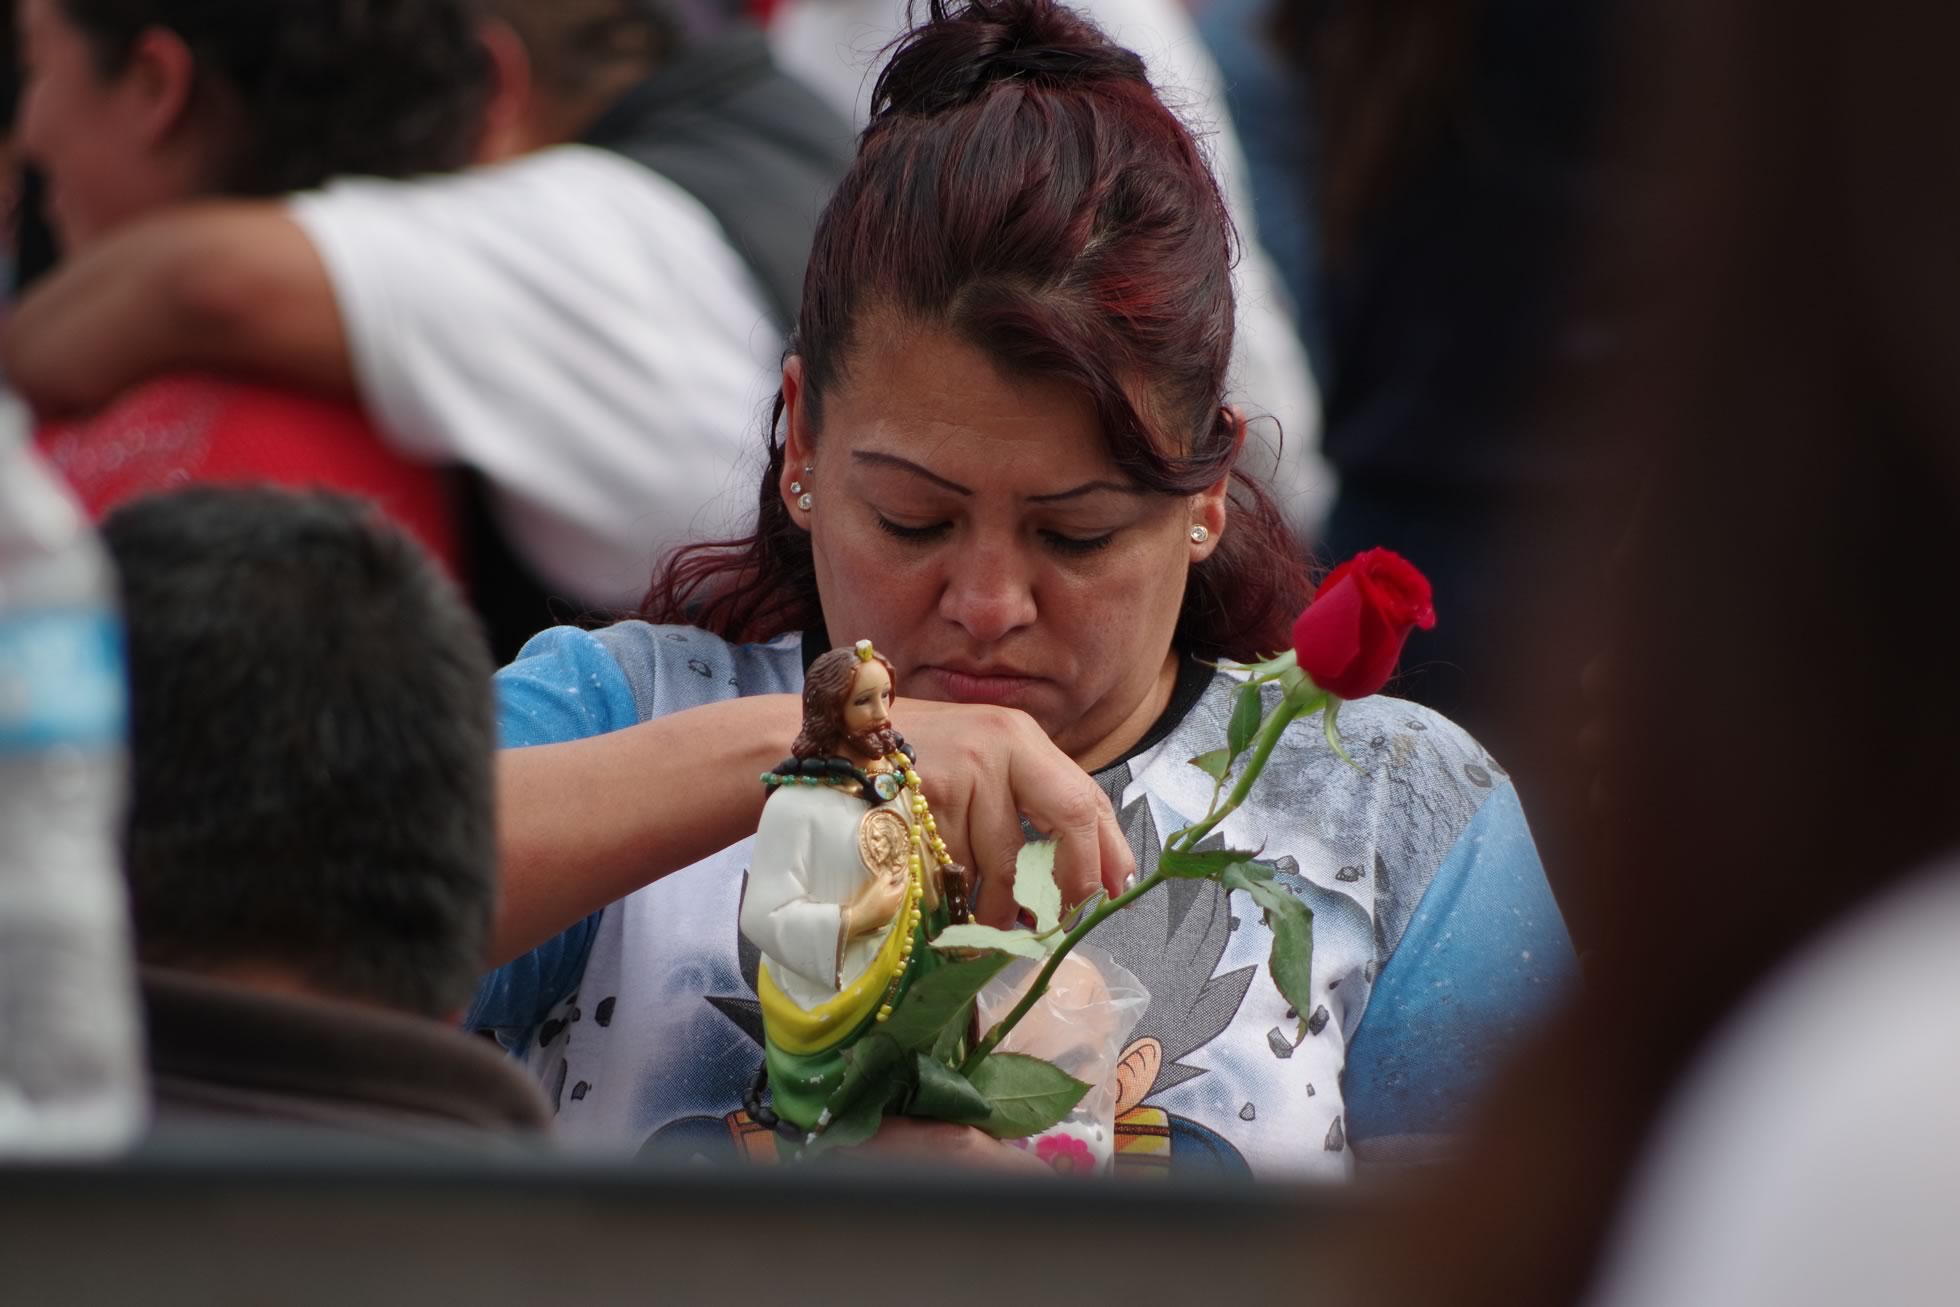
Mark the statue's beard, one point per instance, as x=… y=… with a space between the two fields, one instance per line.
x=880 y=743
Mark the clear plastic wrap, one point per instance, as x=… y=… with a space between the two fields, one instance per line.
x=1081 y=1025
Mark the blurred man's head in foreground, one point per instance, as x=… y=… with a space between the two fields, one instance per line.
x=311 y=741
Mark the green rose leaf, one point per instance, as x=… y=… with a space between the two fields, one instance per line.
x=1246 y=713
x=950 y=1047
x=1292 y=925
x=939 y=999
x=1217 y=764
x=1330 y=726
x=857 y=1123
x=945 y=1095
x=875 y=1073
x=1028 y=1095
x=1018 y=942
x=1197 y=866
x=1034 y=884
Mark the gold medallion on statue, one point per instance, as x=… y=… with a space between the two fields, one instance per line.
x=883 y=842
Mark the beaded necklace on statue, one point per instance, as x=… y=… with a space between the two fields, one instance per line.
x=924 y=831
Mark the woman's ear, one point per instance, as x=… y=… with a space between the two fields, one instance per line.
x=1209 y=507
x=796 y=485
x=161 y=78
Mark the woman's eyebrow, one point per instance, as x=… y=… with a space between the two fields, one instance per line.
x=1087 y=488
x=907 y=465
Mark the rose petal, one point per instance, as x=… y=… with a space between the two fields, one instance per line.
x=1327 y=638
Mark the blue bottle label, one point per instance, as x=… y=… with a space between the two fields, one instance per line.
x=62 y=680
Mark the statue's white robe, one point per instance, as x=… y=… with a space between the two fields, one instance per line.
x=805 y=867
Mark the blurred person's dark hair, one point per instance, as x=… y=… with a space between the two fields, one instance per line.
x=9 y=72
x=1772 y=757
x=311 y=743
x=581 y=49
x=310 y=90
x=1384 y=82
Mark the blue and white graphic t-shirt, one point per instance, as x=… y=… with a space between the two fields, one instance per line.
x=1436 y=941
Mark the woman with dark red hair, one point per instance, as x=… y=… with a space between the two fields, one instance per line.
x=1001 y=453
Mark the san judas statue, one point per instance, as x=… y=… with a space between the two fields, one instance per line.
x=849 y=881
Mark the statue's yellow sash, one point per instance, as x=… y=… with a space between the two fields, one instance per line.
x=796 y=1030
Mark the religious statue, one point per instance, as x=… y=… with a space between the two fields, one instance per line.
x=848 y=884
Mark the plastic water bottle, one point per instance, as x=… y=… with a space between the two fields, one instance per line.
x=71 y=1064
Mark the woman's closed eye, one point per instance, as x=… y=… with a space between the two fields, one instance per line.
x=1069 y=544
x=1061 y=542
x=913 y=534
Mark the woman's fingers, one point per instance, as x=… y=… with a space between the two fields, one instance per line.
x=1090 y=853
x=995 y=837
x=941 y=1141
x=990 y=767
x=1065 y=804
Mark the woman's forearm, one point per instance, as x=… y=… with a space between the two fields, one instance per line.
x=583 y=824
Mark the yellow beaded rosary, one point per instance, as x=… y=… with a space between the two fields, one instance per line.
x=923 y=828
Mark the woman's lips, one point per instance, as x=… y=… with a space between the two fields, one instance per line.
x=960 y=686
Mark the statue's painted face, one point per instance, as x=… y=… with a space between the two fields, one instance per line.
x=868 y=708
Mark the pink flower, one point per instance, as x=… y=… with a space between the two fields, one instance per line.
x=1065 y=1153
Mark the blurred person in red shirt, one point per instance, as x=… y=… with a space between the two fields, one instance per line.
x=129 y=106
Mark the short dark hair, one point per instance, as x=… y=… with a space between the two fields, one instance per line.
x=312 y=743
x=323 y=88
x=575 y=45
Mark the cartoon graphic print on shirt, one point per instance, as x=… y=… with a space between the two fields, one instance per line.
x=1172 y=940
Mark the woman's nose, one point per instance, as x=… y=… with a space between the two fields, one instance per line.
x=989 y=592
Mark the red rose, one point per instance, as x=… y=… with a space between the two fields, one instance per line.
x=1351 y=635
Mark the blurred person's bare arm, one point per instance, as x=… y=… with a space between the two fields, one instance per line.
x=230 y=287
x=585 y=823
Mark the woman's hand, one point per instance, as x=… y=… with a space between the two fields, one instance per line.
x=909 y=1139
x=985 y=768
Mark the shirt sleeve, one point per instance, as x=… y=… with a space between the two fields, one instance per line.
x=564 y=686
x=573 y=326
x=1483 y=961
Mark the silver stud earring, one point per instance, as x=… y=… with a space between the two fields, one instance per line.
x=803 y=502
x=796 y=487
x=1199 y=533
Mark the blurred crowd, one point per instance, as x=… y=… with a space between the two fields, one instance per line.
x=643 y=348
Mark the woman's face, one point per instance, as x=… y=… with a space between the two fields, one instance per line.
x=105 y=144
x=974 y=527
